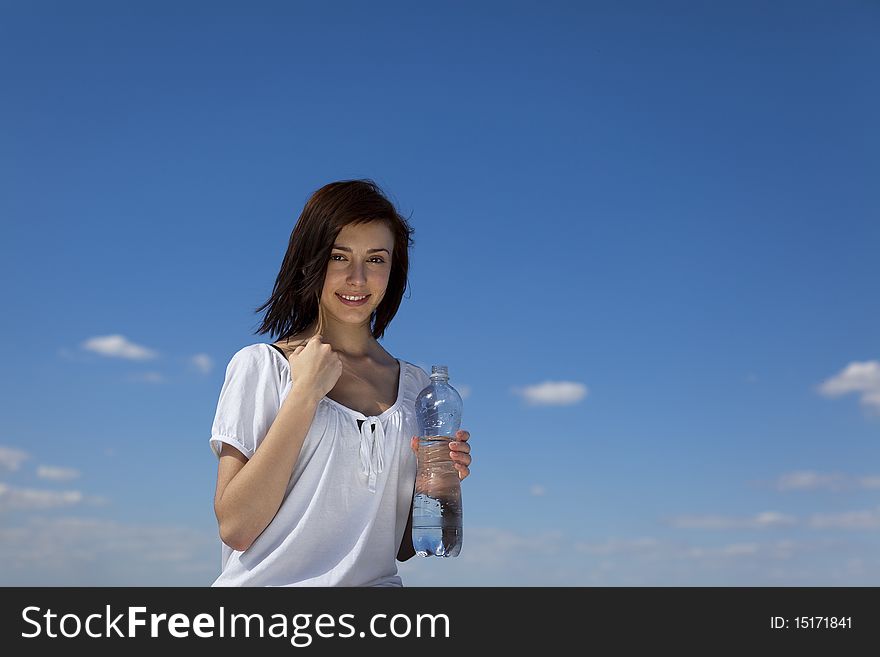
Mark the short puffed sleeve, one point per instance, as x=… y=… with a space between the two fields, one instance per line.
x=249 y=401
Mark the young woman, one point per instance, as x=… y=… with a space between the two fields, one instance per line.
x=316 y=433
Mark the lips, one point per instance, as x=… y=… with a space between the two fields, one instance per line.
x=356 y=299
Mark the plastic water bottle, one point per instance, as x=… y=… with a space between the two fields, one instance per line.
x=436 y=519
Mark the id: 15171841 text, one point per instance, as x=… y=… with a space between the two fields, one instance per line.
x=811 y=622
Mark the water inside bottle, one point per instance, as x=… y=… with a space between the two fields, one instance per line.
x=437 y=520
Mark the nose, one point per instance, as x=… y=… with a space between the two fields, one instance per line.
x=357 y=275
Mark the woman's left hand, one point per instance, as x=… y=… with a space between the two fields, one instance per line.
x=459 y=452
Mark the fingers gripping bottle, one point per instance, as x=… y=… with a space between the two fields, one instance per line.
x=436 y=520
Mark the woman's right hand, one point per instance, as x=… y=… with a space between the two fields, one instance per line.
x=315 y=367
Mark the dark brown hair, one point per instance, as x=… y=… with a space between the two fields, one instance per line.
x=294 y=303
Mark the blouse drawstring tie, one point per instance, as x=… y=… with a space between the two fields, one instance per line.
x=372 y=450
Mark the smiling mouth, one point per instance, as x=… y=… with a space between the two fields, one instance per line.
x=353 y=299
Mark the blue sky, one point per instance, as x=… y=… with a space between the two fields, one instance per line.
x=651 y=233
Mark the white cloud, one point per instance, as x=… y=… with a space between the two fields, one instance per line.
x=11 y=458
x=92 y=552
x=617 y=547
x=147 y=377
x=758 y=521
x=649 y=549
x=847 y=520
x=24 y=499
x=811 y=481
x=725 y=551
x=553 y=393
x=773 y=519
x=862 y=378
x=12 y=498
x=484 y=543
x=537 y=490
x=464 y=391
x=56 y=474
x=501 y=557
x=118 y=346
x=871 y=398
x=96 y=552
x=202 y=362
x=492 y=557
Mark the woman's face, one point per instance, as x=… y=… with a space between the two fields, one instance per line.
x=359 y=267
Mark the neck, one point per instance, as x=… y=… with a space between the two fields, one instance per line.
x=352 y=341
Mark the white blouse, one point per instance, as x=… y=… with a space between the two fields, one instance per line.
x=348 y=500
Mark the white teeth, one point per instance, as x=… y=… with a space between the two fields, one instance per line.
x=353 y=298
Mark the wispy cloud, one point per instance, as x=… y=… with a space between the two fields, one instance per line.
x=202 y=362
x=501 y=557
x=553 y=393
x=869 y=520
x=847 y=520
x=13 y=498
x=54 y=473
x=809 y=480
x=94 y=552
x=11 y=458
x=861 y=378
x=147 y=377
x=488 y=542
x=758 y=521
x=118 y=346
x=618 y=546
x=730 y=550
x=537 y=490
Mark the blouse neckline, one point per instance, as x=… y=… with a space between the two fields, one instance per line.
x=345 y=408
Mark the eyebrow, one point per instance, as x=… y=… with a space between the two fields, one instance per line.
x=345 y=248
